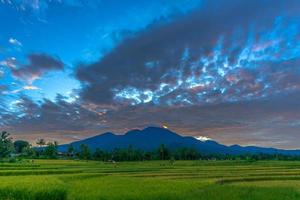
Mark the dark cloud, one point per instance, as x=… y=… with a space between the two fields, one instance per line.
x=57 y=116
x=221 y=52
x=3 y=88
x=38 y=64
x=48 y=118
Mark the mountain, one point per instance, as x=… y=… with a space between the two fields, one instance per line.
x=152 y=137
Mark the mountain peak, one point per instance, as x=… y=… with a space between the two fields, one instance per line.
x=107 y=134
x=159 y=131
x=152 y=131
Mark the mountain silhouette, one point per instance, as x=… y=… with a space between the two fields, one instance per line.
x=151 y=138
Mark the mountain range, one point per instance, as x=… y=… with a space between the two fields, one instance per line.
x=151 y=138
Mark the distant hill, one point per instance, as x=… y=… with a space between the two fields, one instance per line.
x=152 y=137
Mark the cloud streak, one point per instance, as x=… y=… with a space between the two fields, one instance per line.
x=15 y=42
x=38 y=65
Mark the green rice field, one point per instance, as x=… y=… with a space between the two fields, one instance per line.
x=89 y=180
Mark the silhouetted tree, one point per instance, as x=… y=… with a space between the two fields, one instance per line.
x=99 y=155
x=163 y=152
x=6 y=145
x=29 y=151
x=20 y=145
x=71 y=151
x=84 y=152
x=41 y=142
x=51 y=150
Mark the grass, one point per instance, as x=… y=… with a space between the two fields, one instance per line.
x=201 y=180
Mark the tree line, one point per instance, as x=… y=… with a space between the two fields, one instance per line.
x=13 y=150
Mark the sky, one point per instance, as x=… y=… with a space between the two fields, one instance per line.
x=221 y=69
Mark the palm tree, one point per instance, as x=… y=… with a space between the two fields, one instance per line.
x=4 y=136
x=41 y=142
x=6 y=145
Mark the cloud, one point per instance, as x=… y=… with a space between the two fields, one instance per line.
x=30 y=87
x=48 y=118
x=3 y=88
x=15 y=42
x=10 y=62
x=26 y=87
x=39 y=64
x=203 y=138
x=260 y=122
x=41 y=5
x=224 y=52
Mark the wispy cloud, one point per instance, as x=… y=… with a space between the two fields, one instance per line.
x=38 y=65
x=30 y=87
x=203 y=138
x=15 y=42
x=10 y=62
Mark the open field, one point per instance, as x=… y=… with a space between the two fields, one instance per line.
x=72 y=180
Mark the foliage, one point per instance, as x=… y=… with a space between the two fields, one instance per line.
x=21 y=145
x=41 y=142
x=70 y=151
x=6 y=145
x=84 y=152
x=51 y=150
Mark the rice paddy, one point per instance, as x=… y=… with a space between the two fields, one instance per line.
x=91 y=180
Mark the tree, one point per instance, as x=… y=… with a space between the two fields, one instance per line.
x=99 y=155
x=20 y=145
x=163 y=152
x=29 y=151
x=6 y=145
x=84 y=152
x=51 y=150
x=71 y=150
x=41 y=142
x=4 y=136
x=130 y=153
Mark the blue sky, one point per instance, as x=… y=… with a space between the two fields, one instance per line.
x=72 y=69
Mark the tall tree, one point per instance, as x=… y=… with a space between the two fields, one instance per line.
x=4 y=136
x=99 y=154
x=84 y=152
x=71 y=150
x=6 y=145
x=51 y=150
x=20 y=145
x=162 y=152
